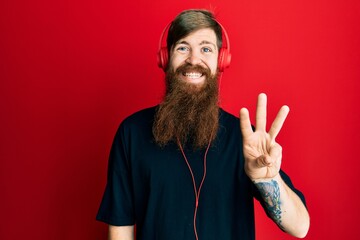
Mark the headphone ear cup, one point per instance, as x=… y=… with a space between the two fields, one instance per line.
x=224 y=59
x=162 y=58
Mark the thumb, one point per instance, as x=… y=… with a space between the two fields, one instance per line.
x=263 y=161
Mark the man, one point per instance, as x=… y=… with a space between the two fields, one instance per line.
x=186 y=169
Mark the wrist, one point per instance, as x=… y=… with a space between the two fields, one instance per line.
x=276 y=178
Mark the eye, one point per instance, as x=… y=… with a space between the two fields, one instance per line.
x=206 y=49
x=182 y=49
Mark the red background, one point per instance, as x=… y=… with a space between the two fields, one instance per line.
x=70 y=71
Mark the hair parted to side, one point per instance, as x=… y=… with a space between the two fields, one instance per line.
x=192 y=20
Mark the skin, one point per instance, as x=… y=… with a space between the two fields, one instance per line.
x=198 y=48
x=121 y=232
x=262 y=153
x=263 y=157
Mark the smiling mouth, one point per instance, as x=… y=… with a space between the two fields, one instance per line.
x=192 y=75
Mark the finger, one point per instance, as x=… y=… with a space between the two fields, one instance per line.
x=278 y=122
x=261 y=112
x=245 y=124
x=263 y=161
x=276 y=152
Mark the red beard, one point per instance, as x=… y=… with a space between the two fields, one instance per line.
x=189 y=113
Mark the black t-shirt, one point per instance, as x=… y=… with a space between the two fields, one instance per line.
x=152 y=186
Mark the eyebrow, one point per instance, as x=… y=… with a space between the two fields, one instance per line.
x=201 y=43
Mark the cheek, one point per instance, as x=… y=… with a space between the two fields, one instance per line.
x=214 y=65
x=212 y=62
x=175 y=61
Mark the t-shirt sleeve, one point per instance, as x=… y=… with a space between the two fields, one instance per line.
x=116 y=207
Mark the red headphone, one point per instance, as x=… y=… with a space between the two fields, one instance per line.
x=224 y=52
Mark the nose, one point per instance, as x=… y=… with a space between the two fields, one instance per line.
x=194 y=58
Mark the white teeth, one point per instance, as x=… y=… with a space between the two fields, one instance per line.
x=193 y=75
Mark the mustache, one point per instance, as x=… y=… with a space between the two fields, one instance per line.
x=186 y=67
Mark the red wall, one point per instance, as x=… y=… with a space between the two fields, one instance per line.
x=70 y=71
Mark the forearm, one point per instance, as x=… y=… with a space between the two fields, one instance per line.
x=121 y=232
x=284 y=206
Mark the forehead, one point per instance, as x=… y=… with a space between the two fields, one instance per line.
x=200 y=36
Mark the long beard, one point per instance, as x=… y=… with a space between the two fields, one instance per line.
x=188 y=113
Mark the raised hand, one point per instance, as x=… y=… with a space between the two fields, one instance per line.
x=262 y=153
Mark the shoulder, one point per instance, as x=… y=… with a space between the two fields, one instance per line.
x=227 y=119
x=137 y=123
x=229 y=129
x=140 y=117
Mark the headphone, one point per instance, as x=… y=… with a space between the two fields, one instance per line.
x=224 y=58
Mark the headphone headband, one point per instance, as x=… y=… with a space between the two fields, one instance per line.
x=224 y=58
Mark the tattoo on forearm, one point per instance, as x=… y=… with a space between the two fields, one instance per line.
x=270 y=191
